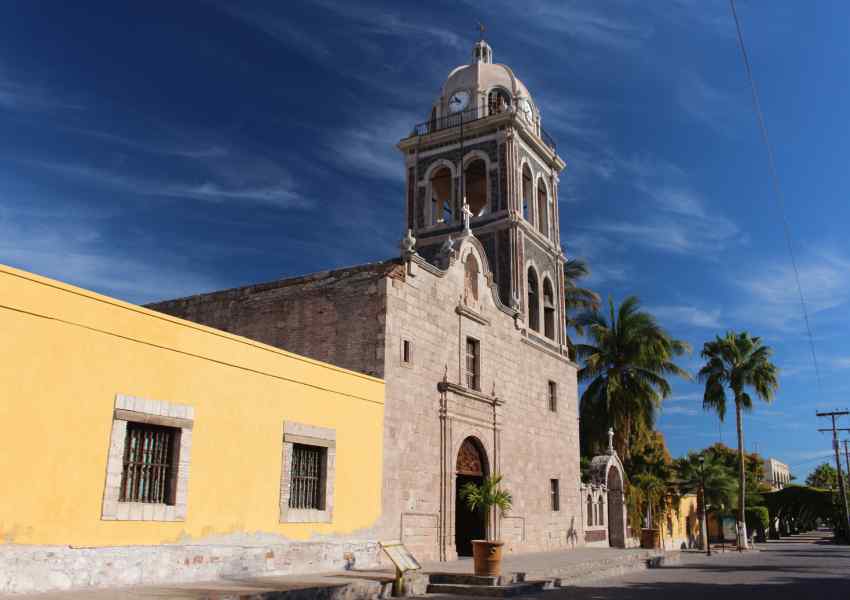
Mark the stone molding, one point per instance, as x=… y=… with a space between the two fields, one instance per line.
x=311 y=435
x=154 y=412
x=471 y=314
x=446 y=386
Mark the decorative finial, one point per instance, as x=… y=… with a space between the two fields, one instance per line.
x=467 y=214
x=610 y=440
x=408 y=244
x=481 y=29
x=448 y=246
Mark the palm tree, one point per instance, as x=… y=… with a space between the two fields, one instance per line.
x=719 y=484
x=485 y=496
x=739 y=362
x=576 y=298
x=627 y=361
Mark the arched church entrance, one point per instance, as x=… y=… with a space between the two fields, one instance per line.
x=471 y=467
x=616 y=527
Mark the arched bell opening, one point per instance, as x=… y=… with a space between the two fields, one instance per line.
x=548 y=309
x=527 y=193
x=533 y=300
x=475 y=187
x=440 y=186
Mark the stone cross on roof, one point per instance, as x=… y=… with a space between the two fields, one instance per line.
x=611 y=440
x=467 y=214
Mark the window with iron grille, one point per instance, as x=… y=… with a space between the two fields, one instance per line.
x=308 y=477
x=473 y=379
x=149 y=464
x=554 y=486
x=553 y=396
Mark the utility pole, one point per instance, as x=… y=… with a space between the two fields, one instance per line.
x=847 y=458
x=835 y=447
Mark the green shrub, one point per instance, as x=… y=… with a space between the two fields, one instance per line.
x=757 y=518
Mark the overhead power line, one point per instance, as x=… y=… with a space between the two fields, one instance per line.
x=780 y=198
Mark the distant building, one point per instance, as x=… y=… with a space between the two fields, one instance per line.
x=776 y=474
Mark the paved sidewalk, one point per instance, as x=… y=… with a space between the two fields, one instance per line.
x=541 y=563
x=581 y=564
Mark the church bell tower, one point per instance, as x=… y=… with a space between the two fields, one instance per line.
x=483 y=152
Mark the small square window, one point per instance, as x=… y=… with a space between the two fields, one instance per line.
x=308 y=477
x=554 y=488
x=473 y=364
x=149 y=468
x=406 y=352
x=553 y=396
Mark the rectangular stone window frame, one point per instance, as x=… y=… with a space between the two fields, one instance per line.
x=309 y=435
x=132 y=409
x=553 y=396
x=406 y=352
x=555 y=494
x=472 y=364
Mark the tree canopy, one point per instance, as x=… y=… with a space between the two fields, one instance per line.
x=626 y=362
x=824 y=477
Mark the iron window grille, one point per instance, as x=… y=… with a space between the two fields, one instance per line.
x=308 y=477
x=473 y=379
x=556 y=494
x=553 y=396
x=149 y=464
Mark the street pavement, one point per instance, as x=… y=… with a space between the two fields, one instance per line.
x=805 y=567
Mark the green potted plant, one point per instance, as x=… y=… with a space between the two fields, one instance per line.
x=487 y=554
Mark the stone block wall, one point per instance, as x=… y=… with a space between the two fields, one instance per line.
x=332 y=316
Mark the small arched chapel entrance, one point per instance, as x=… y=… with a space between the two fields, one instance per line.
x=471 y=467
x=616 y=512
x=606 y=469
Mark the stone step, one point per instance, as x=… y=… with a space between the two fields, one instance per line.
x=465 y=579
x=494 y=591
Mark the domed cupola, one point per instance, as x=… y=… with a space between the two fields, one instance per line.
x=483 y=88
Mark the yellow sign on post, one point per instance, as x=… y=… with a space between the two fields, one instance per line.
x=403 y=561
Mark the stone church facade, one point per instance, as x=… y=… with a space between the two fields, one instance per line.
x=466 y=326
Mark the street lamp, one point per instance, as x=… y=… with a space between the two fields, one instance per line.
x=704 y=507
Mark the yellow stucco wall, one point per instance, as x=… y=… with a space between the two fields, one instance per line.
x=681 y=525
x=66 y=352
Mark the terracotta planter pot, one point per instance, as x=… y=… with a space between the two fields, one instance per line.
x=650 y=538
x=487 y=557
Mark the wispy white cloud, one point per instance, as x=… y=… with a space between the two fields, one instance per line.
x=840 y=362
x=688 y=397
x=714 y=107
x=680 y=410
x=76 y=252
x=278 y=193
x=595 y=24
x=373 y=20
x=773 y=299
x=161 y=147
x=676 y=219
x=19 y=95
x=368 y=149
x=687 y=315
x=280 y=29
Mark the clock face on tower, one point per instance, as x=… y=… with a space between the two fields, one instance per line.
x=458 y=101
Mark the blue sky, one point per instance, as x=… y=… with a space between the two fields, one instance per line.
x=150 y=150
